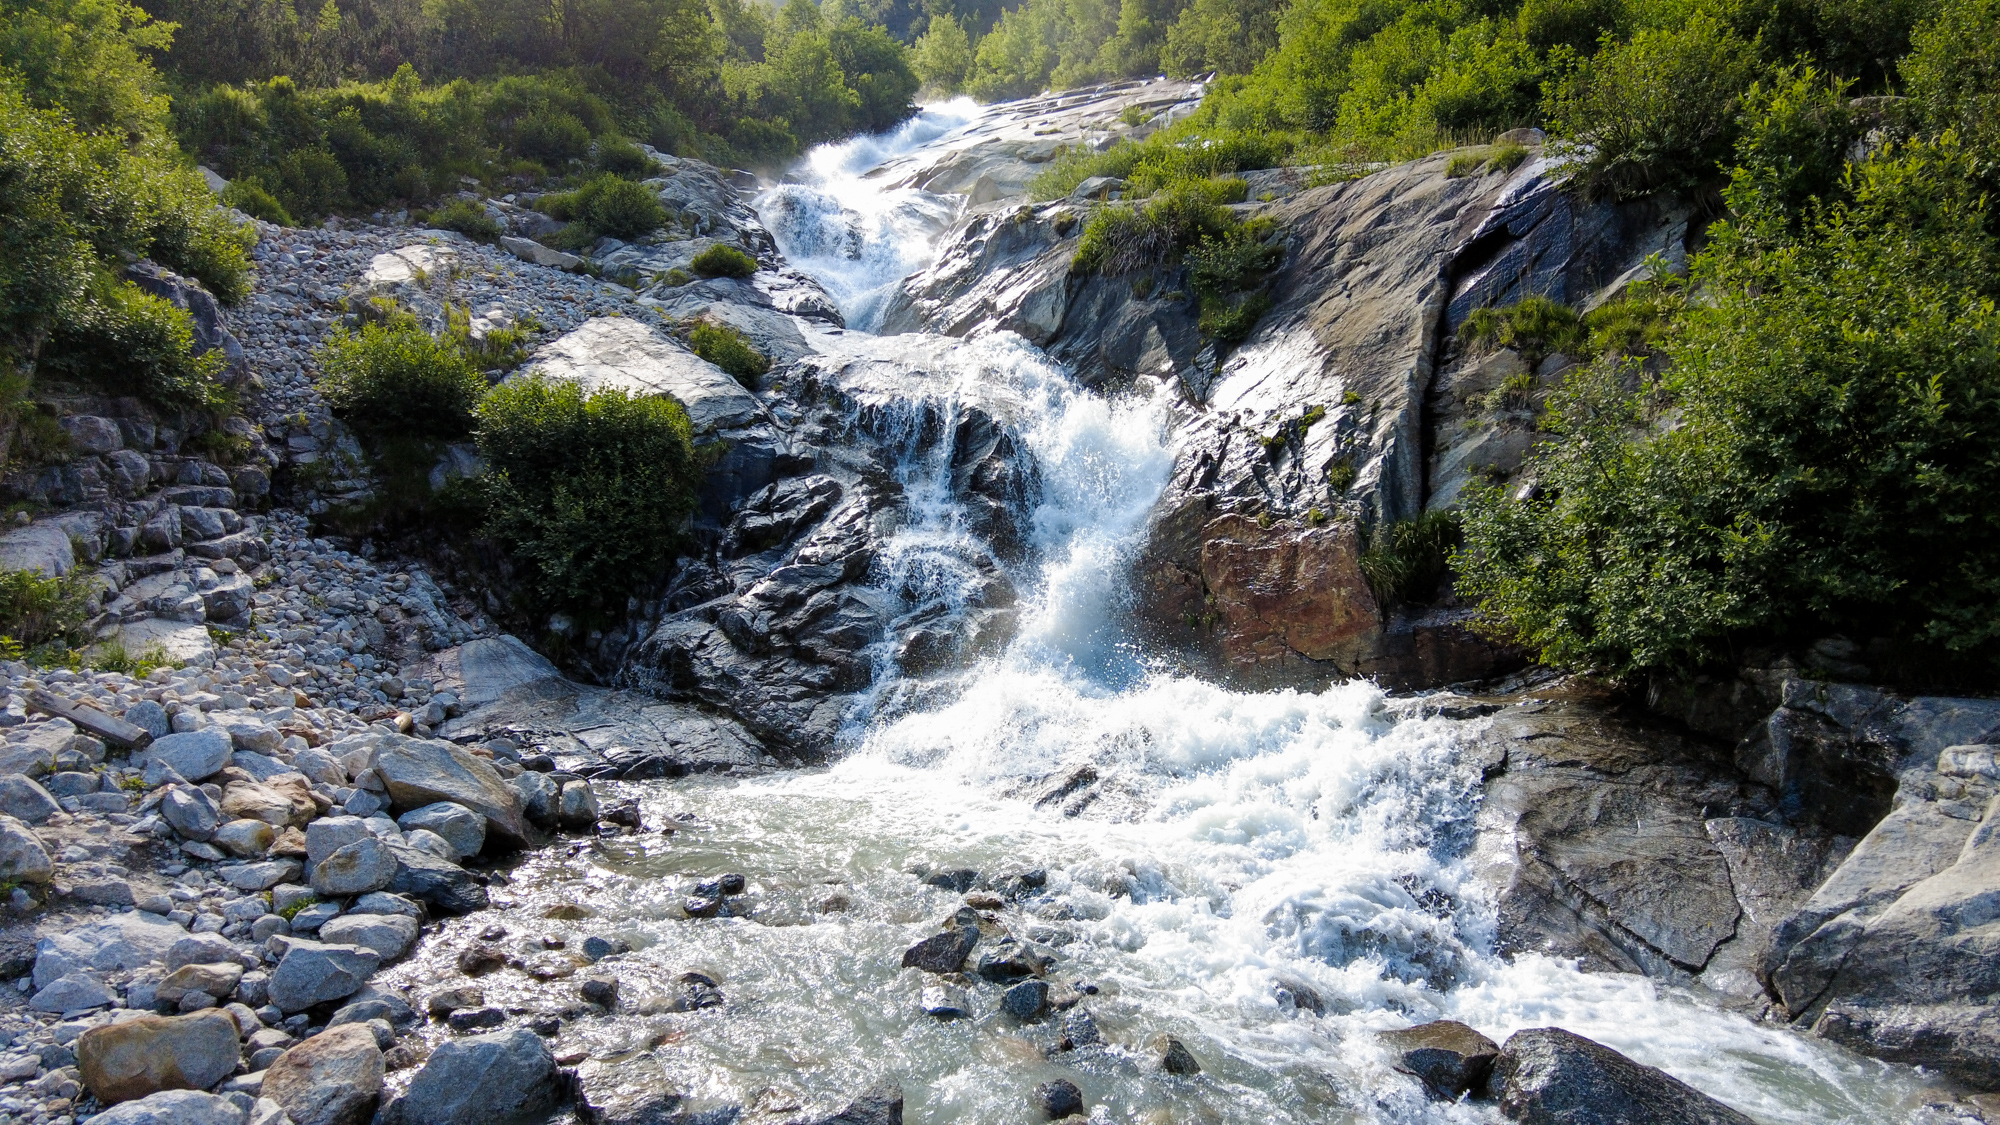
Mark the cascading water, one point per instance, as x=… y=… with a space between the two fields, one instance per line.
x=1269 y=878
x=852 y=236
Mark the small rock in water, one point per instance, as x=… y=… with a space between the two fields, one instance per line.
x=941 y=953
x=947 y=1003
x=442 y=1004
x=548 y=1027
x=1448 y=1056
x=598 y=948
x=475 y=1019
x=882 y=1105
x=1026 y=1000
x=1059 y=1098
x=1080 y=1030
x=701 y=907
x=959 y=879
x=698 y=991
x=1299 y=996
x=985 y=902
x=1011 y=962
x=733 y=884
x=601 y=991
x=493 y=933
x=1175 y=1058
x=480 y=960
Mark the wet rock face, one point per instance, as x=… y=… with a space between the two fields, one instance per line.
x=1287 y=593
x=1632 y=846
x=1894 y=954
x=1449 y=1057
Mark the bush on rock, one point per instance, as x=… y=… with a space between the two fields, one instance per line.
x=394 y=379
x=723 y=261
x=591 y=490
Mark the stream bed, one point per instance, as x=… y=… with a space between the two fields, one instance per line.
x=1269 y=878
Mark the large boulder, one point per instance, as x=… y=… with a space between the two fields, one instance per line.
x=120 y=942
x=191 y=811
x=389 y=935
x=23 y=856
x=334 y=1078
x=459 y=826
x=354 y=869
x=419 y=773
x=484 y=670
x=445 y=886
x=194 y=754
x=141 y=1056
x=1548 y=1076
x=478 y=1079
x=24 y=799
x=1449 y=1057
x=175 y=1107
x=629 y=355
x=313 y=973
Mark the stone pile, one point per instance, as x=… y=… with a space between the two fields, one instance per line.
x=221 y=894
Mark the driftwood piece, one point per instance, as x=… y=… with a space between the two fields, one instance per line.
x=111 y=729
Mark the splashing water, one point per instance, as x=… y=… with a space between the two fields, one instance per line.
x=1218 y=866
x=856 y=239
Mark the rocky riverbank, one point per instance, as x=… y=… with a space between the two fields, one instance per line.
x=334 y=847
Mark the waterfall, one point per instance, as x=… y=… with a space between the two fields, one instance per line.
x=1269 y=877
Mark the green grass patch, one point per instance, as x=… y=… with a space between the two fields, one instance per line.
x=1407 y=560
x=727 y=348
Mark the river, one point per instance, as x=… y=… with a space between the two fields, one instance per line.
x=1246 y=849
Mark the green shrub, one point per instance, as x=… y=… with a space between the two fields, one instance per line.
x=609 y=206
x=590 y=490
x=467 y=218
x=1464 y=164
x=1226 y=272
x=726 y=348
x=395 y=380
x=36 y=609
x=1828 y=467
x=621 y=157
x=1121 y=239
x=311 y=183
x=249 y=197
x=1658 y=113
x=723 y=260
x=1405 y=561
x=124 y=340
x=552 y=137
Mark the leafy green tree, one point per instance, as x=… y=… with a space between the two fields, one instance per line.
x=1659 y=112
x=84 y=57
x=807 y=82
x=877 y=69
x=942 y=57
x=1220 y=35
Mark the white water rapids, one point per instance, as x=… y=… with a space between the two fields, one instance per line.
x=1245 y=842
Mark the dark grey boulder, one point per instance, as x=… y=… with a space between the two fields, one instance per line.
x=1059 y=1098
x=444 y=886
x=481 y=1079
x=1175 y=1058
x=1548 y=1076
x=942 y=953
x=1027 y=1000
x=882 y=1105
x=1448 y=1056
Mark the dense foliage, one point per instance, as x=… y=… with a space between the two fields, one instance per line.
x=1818 y=455
x=364 y=103
x=728 y=349
x=89 y=180
x=396 y=379
x=591 y=489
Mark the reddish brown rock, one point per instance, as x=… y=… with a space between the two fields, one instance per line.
x=1288 y=591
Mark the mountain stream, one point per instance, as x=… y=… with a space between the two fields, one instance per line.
x=1246 y=852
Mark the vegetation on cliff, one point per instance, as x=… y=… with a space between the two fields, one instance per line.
x=1814 y=455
